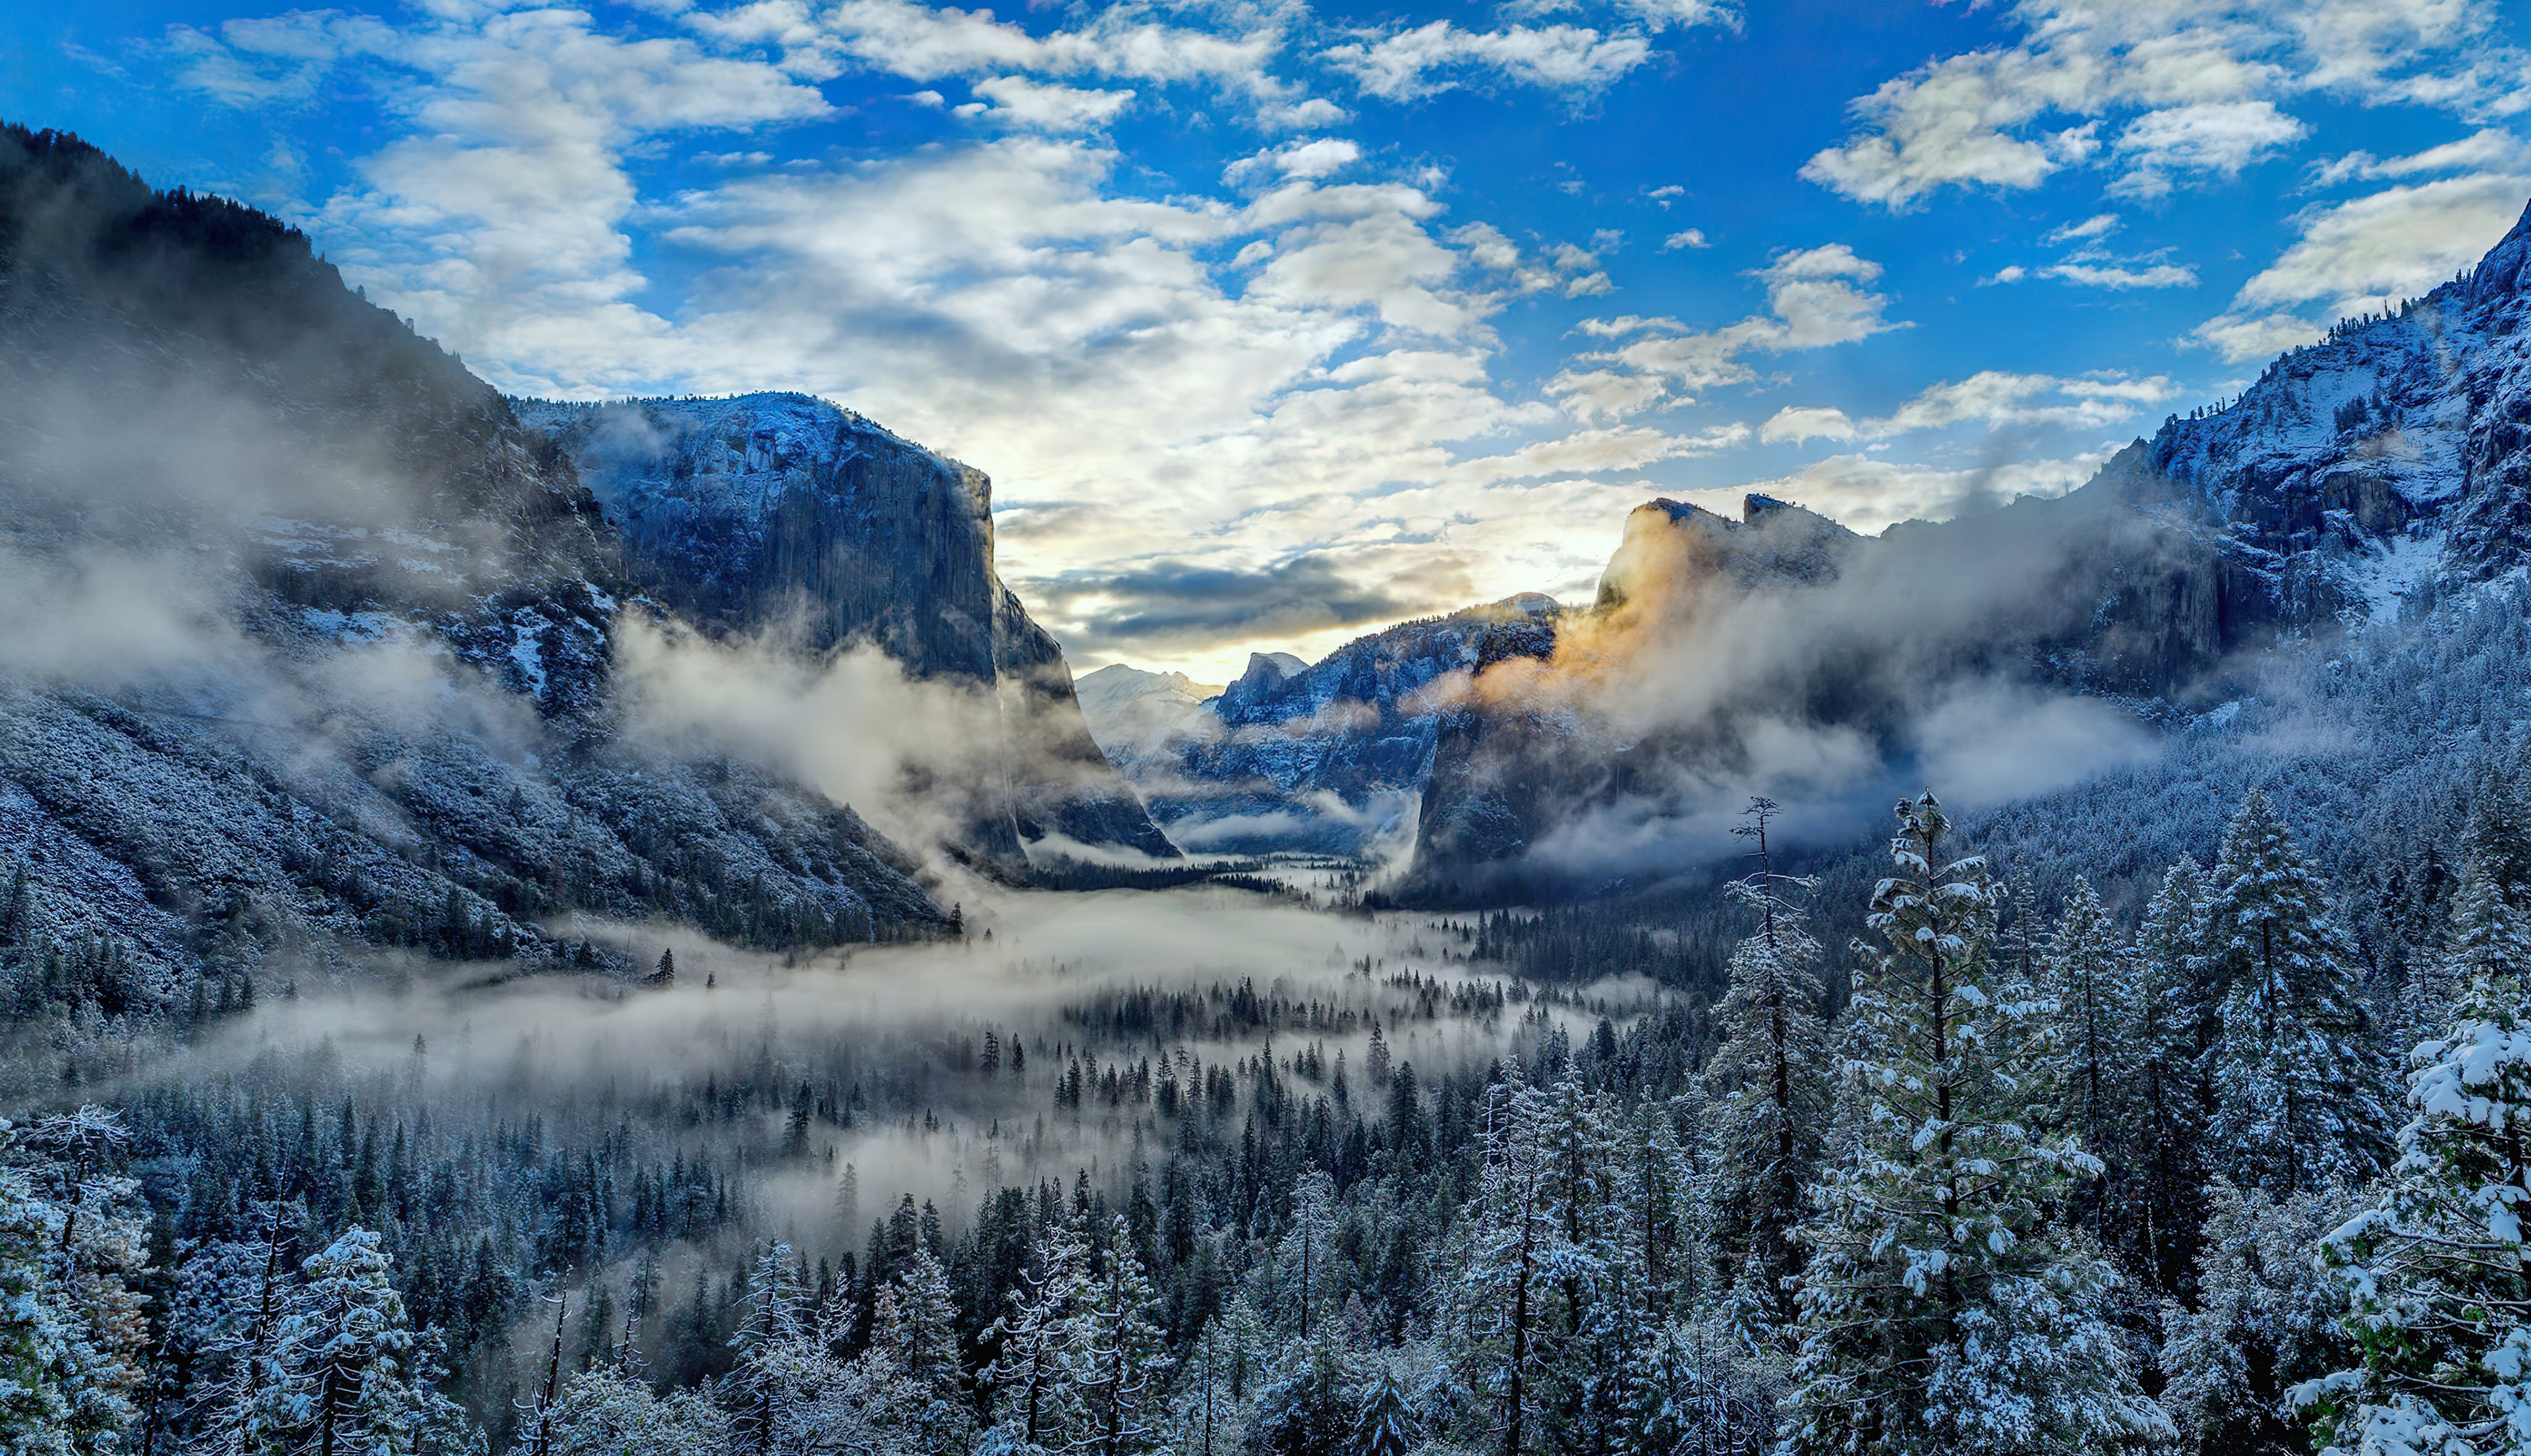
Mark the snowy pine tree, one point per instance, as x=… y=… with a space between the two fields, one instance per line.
x=2089 y=977
x=2435 y=1270
x=1944 y=1307
x=2265 y=1320
x=2163 y=1197
x=1115 y=1359
x=349 y=1373
x=1030 y=1379
x=2296 y=1091
x=1769 y=1083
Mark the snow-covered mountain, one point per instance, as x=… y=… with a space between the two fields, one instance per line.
x=308 y=643
x=1134 y=713
x=1328 y=756
x=2358 y=480
x=786 y=514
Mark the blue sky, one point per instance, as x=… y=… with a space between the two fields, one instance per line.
x=1278 y=321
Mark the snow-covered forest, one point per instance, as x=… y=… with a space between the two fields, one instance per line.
x=2221 y=1158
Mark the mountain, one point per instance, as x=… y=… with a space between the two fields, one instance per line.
x=1330 y=758
x=783 y=513
x=1134 y=713
x=2361 y=479
x=308 y=642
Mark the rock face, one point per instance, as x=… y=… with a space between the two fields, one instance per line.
x=780 y=512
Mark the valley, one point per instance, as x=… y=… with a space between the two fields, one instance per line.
x=608 y=927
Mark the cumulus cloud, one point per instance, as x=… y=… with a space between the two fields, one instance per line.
x=1993 y=397
x=2489 y=148
x=2161 y=92
x=1429 y=59
x=1800 y=423
x=1311 y=161
x=2113 y=277
x=1815 y=298
x=2365 y=255
x=2218 y=137
x=1870 y=494
x=1016 y=101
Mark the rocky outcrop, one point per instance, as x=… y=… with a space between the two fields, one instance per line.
x=785 y=515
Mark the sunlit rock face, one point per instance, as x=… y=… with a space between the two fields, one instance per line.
x=782 y=515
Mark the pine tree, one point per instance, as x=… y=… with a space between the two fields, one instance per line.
x=1028 y=1376
x=2296 y=1103
x=2090 y=978
x=765 y=1386
x=2264 y=1321
x=1497 y=1296
x=605 y=1410
x=1386 y=1425
x=2435 y=1270
x=349 y=1373
x=1305 y=1256
x=71 y=1330
x=916 y=1333
x=1944 y=1307
x=2164 y=1137
x=1115 y=1358
x=1769 y=1081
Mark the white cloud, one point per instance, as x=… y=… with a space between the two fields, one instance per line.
x=1868 y=494
x=1797 y=425
x=1039 y=106
x=2092 y=275
x=2090 y=229
x=924 y=42
x=1311 y=160
x=1993 y=397
x=1691 y=238
x=1429 y=59
x=1815 y=298
x=2213 y=137
x=2489 y=148
x=1565 y=268
x=2364 y=256
x=2189 y=87
x=1595 y=451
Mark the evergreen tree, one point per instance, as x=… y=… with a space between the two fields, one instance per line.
x=605 y=1410
x=2296 y=1091
x=1030 y=1377
x=1944 y=1309
x=2435 y=1269
x=2089 y=978
x=916 y=1334
x=2266 y=1319
x=1115 y=1359
x=349 y=1373
x=1769 y=1081
x=2161 y=1201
